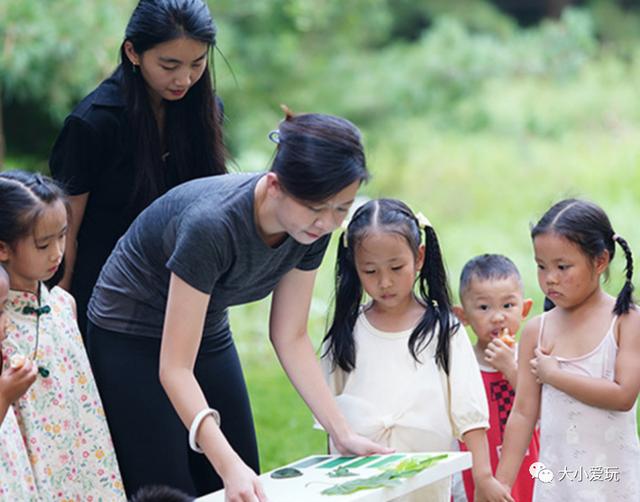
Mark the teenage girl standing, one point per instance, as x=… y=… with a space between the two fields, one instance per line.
x=150 y=126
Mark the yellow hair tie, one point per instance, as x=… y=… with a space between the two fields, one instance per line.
x=423 y=221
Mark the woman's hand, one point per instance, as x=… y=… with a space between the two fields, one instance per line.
x=288 y=332
x=543 y=366
x=491 y=490
x=241 y=484
x=354 y=444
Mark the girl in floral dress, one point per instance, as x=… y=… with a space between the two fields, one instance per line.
x=62 y=429
x=19 y=484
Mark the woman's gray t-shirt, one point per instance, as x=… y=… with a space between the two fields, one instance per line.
x=204 y=232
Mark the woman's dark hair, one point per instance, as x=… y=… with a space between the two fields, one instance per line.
x=192 y=125
x=317 y=155
x=389 y=215
x=23 y=198
x=587 y=225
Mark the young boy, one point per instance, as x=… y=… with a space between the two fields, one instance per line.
x=493 y=305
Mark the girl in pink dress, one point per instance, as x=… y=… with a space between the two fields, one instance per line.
x=582 y=377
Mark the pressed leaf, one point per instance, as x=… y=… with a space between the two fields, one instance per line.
x=389 y=477
x=285 y=473
x=341 y=472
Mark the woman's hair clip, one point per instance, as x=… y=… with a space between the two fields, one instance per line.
x=345 y=228
x=423 y=221
x=274 y=136
x=615 y=237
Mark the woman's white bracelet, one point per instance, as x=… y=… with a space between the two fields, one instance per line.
x=195 y=425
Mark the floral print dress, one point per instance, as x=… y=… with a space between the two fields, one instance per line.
x=60 y=418
x=16 y=476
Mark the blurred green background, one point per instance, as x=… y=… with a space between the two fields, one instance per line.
x=480 y=114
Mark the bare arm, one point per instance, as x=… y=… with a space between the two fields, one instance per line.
x=288 y=333
x=512 y=376
x=487 y=487
x=619 y=394
x=78 y=204
x=524 y=415
x=4 y=407
x=181 y=336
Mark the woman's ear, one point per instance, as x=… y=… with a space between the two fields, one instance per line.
x=132 y=55
x=274 y=188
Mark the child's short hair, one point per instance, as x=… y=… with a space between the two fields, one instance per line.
x=160 y=494
x=487 y=267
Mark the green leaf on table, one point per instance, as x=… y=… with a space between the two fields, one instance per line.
x=285 y=473
x=341 y=472
x=389 y=477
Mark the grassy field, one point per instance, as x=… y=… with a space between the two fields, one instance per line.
x=482 y=191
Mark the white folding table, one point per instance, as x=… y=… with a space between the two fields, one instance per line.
x=315 y=479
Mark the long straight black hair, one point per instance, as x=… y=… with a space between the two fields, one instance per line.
x=390 y=215
x=588 y=226
x=193 y=124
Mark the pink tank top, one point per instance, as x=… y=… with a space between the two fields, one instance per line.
x=593 y=453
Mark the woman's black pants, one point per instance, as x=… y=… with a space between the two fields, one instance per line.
x=151 y=442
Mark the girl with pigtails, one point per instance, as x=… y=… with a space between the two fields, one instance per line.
x=582 y=378
x=401 y=366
